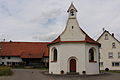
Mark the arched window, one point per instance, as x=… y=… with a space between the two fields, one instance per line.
x=55 y=54
x=72 y=12
x=91 y=55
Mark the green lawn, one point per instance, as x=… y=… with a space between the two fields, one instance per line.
x=113 y=71
x=5 y=71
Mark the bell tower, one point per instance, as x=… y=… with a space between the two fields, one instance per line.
x=71 y=52
x=72 y=11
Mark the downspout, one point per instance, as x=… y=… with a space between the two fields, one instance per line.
x=85 y=56
x=99 y=57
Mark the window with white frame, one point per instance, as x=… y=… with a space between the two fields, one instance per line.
x=2 y=63
x=118 y=54
x=113 y=45
x=101 y=64
x=54 y=54
x=3 y=57
x=9 y=57
x=115 y=63
x=106 y=36
x=92 y=55
x=110 y=55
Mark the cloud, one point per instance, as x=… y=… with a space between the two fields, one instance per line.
x=44 y=20
x=46 y=37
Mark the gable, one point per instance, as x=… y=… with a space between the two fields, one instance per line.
x=72 y=32
x=110 y=37
x=71 y=7
x=108 y=42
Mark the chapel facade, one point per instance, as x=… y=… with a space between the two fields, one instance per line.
x=73 y=51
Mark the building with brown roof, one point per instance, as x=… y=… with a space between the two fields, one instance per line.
x=12 y=53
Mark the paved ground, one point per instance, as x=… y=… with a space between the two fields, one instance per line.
x=29 y=74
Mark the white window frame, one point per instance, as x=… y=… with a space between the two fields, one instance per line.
x=113 y=45
x=110 y=55
x=118 y=54
x=115 y=64
x=106 y=36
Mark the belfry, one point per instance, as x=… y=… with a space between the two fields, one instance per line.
x=73 y=51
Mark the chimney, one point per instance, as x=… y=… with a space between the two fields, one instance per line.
x=3 y=40
x=10 y=41
x=103 y=29
x=113 y=34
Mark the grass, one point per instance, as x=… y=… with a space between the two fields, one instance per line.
x=113 y=71
x=5 y=71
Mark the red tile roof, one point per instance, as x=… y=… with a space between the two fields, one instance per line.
x=87 y=40
x=90 y=40
x=24 y=49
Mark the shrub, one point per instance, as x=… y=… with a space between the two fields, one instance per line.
x=106 y=69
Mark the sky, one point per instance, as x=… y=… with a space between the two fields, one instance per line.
x=44 y=20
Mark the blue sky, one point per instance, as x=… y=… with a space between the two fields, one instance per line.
x=44 y=20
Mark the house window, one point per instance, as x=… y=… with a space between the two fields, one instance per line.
x=8 y=63
x=72 y=27
x=54 y=54
x=113 y=45
x=2 y=63
x=9 y=57
x=118 y=54
x=110 y=55
x=115 y=63
x=3 y=57
x=106 y=36
x=101 y=64
x=92 y=55
x=99 y=56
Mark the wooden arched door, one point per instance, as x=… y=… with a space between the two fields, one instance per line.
x=72 y=65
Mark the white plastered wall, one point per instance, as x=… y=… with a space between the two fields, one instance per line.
x=106 y=47
x=73 y=51
x=68 y=51
x=12 y=59
x=92 y=67
x=74 y=34
x=54 y=67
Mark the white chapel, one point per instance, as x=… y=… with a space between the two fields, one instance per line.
x=73 y=51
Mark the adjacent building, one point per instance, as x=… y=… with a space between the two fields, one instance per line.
x=109 y=51
x=73 y=51
x=31 y=53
